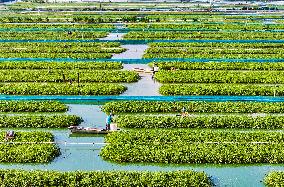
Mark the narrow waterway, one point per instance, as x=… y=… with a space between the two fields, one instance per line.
x=91 y=114
x=113 y=36
x=146 y=86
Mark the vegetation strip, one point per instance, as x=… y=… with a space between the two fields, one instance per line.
x=219 y=76
x=224 y=26
x=61 y=89
x=219 y=65
x=258 y=122
x=215 y=50
x=207 y=35
x=29 y=153
x=52 y=35
x=29 y=65
x=62 y=26
x=192 y=106
x=32 y=106
x=194 y=146
x=222 y=89
x=41 y=121
x=274 y=178
x=108 y=76
x=76 y=50
x=104 y=178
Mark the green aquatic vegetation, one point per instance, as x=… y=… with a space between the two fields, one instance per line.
x=57 y=26
x=219 y=76
x=52 y=35
x=23 y=178
x=206 y=35
x=194 y=146
x=29 y=147
x=274 y=179
x=32 y=106
x=39 y=121
x=219 y=65
x=61 y=88
x=29 y=65
x=226 y=121
x=56 y=75
x=222 y=89
x=76 y=50
x=215 y=50
x=192 y=106
x=208 y=25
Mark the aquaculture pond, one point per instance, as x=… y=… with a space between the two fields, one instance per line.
x=82 y=153
x=127 y=42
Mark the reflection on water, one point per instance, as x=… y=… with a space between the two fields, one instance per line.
x=91 y=114
x=113 y=36
x=146 y=86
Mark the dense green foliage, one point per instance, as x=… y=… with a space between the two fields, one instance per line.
x=39 y=121
x=62 y=65
x=219 y=76
x=215 y=50
x=193 y=106
x=61 y=89
x=14 y=178
x=221 y=89
x=274 y=179
x=220 y=65
x=56 y=26
x=70 y=12
x=109 y=76
x=231 y=121
x=204 y=26
x=194 y=35
x=60 y=18
x=27 y=148
x=32 y=106
x=52 y=35
x=77 y=50
x=194 y=146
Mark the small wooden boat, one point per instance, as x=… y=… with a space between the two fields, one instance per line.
x=87 y=130
x=141 y=70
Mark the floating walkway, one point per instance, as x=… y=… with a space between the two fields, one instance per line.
x=141 y=61
x=103 y=99
x=126 y=30
x=135 y=42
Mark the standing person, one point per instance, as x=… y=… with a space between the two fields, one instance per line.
x=155 y=68
x=108 y=121
x=184 y=113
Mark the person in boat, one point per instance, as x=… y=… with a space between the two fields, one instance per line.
x=109 y=120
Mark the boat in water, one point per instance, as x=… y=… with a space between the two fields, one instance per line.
x=88 y=130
